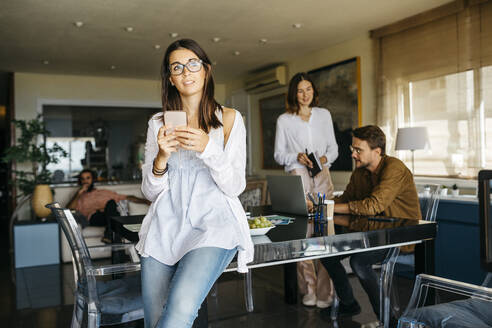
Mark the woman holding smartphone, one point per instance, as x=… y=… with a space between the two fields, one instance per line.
x=301 y=130
x=193 y=175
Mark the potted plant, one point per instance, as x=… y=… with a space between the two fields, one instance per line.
x=31 y=149
x=454 y=190
x=444 y=190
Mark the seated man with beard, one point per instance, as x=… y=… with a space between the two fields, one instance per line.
x=97 y=205
x=380 y=185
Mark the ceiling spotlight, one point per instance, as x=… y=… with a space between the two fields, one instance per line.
x=215 y=39
x=236 y=53
x=157 y=46
x=46 y=62
x=263 y=41
x=129 y=29
x=78 y=24
x=297 y=25
x=173 y=35
x=112 y=67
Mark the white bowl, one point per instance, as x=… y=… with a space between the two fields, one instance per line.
x=260 y=231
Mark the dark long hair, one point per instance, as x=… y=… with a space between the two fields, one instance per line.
x=292 y=105
x=171 y=99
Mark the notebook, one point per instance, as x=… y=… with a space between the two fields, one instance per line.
x=316 y=165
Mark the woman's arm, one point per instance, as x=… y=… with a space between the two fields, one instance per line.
x=280 y=153
x=228 y=165
x=152 y=185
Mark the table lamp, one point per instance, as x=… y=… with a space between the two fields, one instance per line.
x=412 y=139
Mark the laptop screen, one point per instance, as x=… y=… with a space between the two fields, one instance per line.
x=287 y=194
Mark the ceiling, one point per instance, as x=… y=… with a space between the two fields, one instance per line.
x=40 y=36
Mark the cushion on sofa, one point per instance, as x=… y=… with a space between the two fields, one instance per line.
x=137 y=208
x=91 y=231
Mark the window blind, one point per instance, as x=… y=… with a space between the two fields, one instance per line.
x=438 y=74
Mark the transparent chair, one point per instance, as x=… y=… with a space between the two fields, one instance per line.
x=387 y=293
x=107 y=302
x=473 y=308
x=471 y=305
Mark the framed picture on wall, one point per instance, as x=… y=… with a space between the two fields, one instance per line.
x=339 y=90
x=270 y=110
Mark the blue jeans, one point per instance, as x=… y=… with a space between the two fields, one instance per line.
x=172 y=294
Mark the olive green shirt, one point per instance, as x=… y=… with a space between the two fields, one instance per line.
x=389 y=191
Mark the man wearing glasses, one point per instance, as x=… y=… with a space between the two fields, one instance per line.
x=380 y=185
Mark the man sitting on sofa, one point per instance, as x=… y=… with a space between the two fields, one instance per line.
x=380 y=185
x=97 y=205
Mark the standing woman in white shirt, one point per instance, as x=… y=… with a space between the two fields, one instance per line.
x=307 y=127
x=193 y=176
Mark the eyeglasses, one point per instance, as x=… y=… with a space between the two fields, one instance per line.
x=193 y=65
x=357 y=150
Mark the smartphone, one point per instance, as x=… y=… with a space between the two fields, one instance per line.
x=174 y=118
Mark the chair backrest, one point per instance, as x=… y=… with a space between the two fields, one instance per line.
x=80 y=253
x=429 y=202
x=478 y=300
x=255 y=194
x=485 y=210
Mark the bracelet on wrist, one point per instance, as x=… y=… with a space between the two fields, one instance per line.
x=157 y=171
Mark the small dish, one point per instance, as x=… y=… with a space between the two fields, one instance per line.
x=260 y=231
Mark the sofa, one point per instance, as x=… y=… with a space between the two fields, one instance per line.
x=93 y=235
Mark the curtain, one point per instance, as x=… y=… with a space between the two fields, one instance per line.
x=438 y=74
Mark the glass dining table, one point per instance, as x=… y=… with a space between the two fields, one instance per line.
x=306 y=238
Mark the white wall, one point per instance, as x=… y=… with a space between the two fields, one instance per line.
x=32 y=90
x=361 y=46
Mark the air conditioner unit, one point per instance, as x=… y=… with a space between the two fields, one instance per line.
x=266 y=80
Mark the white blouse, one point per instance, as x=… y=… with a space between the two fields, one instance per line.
x=228 y=169
x=294 y=136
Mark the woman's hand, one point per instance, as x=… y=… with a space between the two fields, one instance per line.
x=167 y=144
x=192 y=139
x=304 y=160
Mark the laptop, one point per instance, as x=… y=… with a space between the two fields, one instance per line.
x=287 y=194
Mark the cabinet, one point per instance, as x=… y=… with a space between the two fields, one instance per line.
x=457 y=243
x=36 y=243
